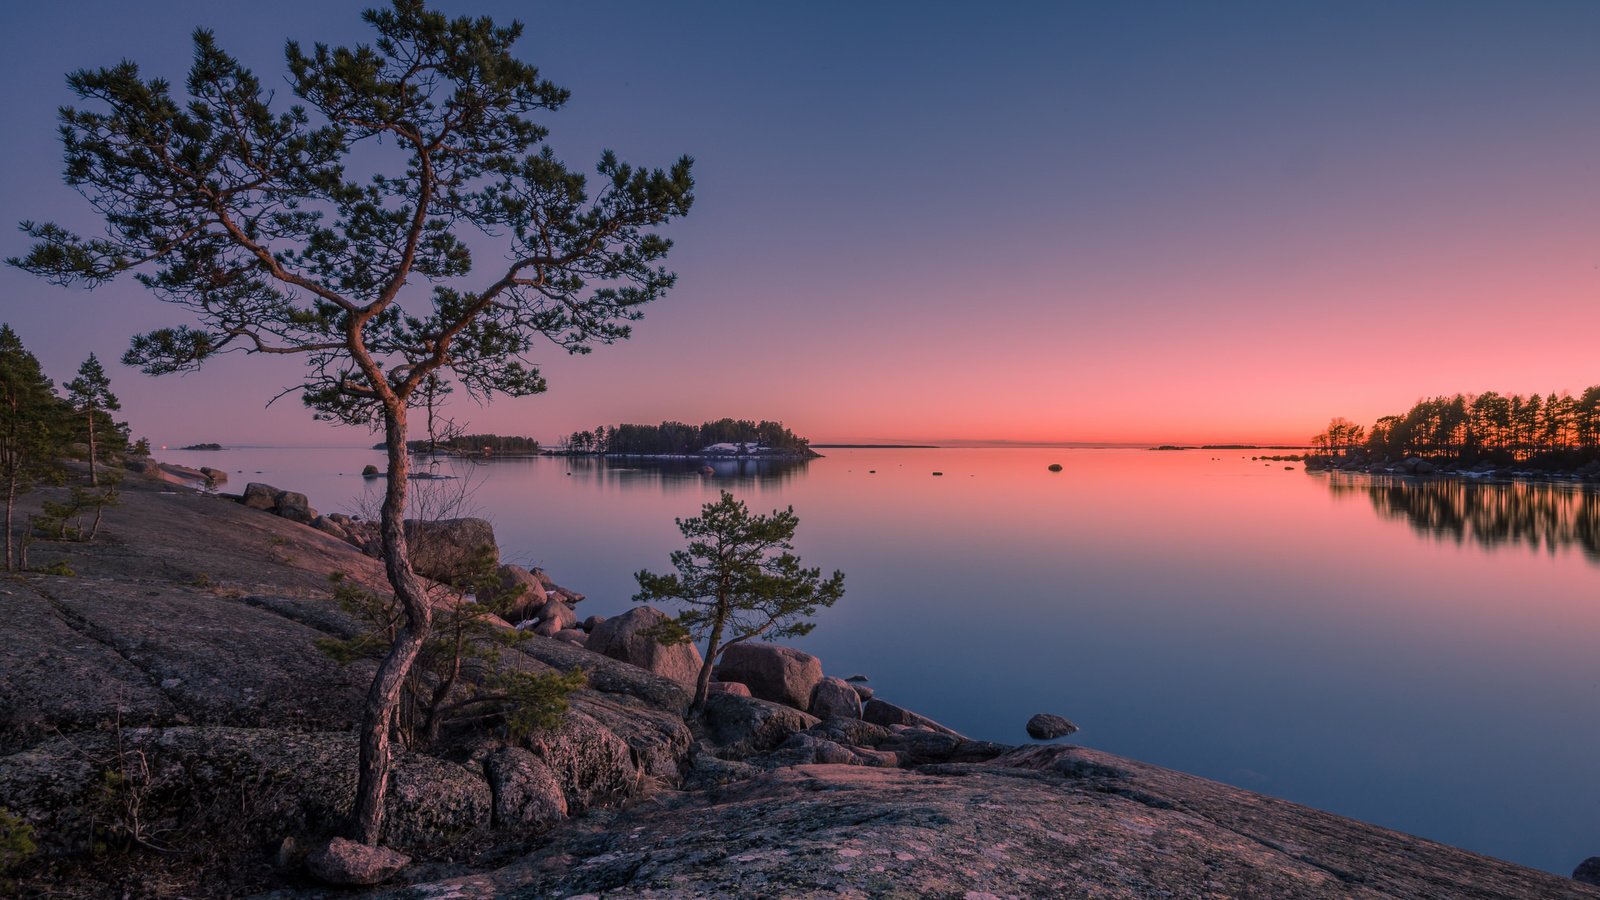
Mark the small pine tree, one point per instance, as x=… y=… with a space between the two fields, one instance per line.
x=740 y=581
x=33 y=430
x=90 y=397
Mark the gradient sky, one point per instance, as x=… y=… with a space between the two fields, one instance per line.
x=941 y=222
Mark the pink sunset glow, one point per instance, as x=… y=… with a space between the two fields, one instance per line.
x=1108 y=228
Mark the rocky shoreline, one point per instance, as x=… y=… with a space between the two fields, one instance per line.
x=168 y=727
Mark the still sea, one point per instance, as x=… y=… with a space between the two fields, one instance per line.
x=1424 y=655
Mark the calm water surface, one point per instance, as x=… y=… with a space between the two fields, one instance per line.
x=1422 y=656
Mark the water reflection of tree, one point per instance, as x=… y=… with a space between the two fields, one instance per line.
x=674 y=475
x=1536 y=515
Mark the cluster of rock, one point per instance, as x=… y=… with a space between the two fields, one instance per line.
x=768 y=706
x=772 y=706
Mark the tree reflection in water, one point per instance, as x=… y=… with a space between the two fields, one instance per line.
x=1532 y=514
x=677 y=474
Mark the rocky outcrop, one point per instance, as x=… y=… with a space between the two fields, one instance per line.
x=1097 y=827
x=780 y=674
x=185 y=783
x=179 y=681
x=629 y=638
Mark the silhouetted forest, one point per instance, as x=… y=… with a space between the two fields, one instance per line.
x=475 y=445
x=1466 y=429
x=1533 y=514
x=680 y=438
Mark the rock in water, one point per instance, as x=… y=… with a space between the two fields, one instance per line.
x=623 y=637
x=834 y=698
x=349 y=863
x=1588 y=871
x=780 y=674
x=1045 y=726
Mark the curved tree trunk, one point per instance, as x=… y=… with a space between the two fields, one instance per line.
x=94 y=456
x=377 y=720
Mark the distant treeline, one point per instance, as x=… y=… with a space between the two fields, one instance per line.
x=1488 y=427
x=476 y=445
x=681 y=438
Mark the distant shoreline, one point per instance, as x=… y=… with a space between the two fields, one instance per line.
x=879 y=446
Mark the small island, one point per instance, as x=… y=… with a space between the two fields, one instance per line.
x=723 y=438
x=202 y=447
x=1489 y=435
x=482 y=446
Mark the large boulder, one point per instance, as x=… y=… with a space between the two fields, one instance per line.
x=260 y=496
x=449 y=549
x=594 y=766
x=515 y=581
x=527 y=793
x=741 y=727
x=1048 y=726
x=556 y=614
x=327 y=525
x=627 y=638
x=295 y=507
x=780 y=674
x=350 y=864
x=833 y=697
x=1588 y=871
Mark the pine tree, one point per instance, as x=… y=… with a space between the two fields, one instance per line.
x=740 y=581
x=90 y=396
x=336 y=230
x=33 y=430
